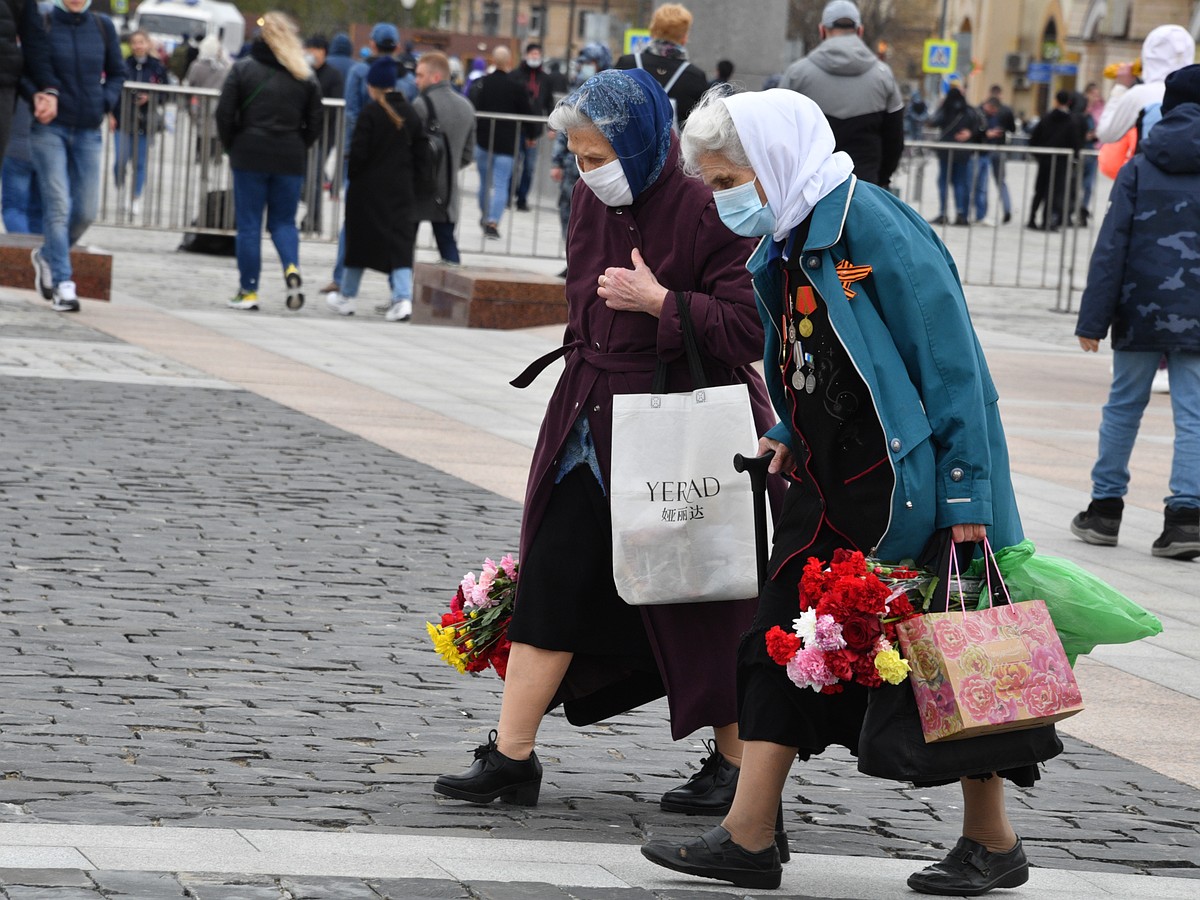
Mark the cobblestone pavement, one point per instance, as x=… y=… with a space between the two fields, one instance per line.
x=213 y=616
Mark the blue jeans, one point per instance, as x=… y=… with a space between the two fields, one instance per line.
x=494 y=181
x=959 y=164
x=1089 y=181
x=279 y=195
x=123 y=150
x=528 y=167
x=20 y=198
x=984 y=163
x=400 y=279
x=443 y=233
x=1133 y=373
x=67 y=161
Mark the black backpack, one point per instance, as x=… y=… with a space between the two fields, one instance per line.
x=435 y=178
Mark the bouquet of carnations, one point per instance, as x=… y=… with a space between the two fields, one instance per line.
x=846 y=632
x=474 y=634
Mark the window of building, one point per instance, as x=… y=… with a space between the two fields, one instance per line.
x=446 y=15
x=491 y=17
x=537 y=19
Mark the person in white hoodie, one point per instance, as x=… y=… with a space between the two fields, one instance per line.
x=1166 y=48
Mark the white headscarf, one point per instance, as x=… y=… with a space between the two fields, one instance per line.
x=790 y=147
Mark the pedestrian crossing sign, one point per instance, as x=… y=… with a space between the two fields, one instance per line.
x=939 y=56
x=636 y=39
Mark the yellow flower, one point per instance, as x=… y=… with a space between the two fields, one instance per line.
x=443 y=643
x=891 y=667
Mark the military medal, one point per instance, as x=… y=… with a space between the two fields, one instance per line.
x=810 y=380
x=806 y=305
x=798 y=380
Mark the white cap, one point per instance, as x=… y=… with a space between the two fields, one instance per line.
x=839 y=10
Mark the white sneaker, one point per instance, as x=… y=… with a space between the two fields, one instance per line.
x=343 y=306
x=65 y=299
x=401 y=311
x=43 y=278
x=135 y=208
x=1161 y=384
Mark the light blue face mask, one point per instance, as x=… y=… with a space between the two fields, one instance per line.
x=743 y=212
x=63 y=6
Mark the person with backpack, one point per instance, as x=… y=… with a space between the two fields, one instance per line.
x=1165 y=49
x=450 y=119
x=387 y=156
x=268 y=115
x=667 y=60
x=77 y=73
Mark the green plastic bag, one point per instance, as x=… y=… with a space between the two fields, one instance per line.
x=1085 y=610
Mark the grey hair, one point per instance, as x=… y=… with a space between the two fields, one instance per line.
x=567 y=115
x=710 y=129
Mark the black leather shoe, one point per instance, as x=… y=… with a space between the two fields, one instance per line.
x=707 y=793
x=715 y=855
x=492 y=775
x=970 y=869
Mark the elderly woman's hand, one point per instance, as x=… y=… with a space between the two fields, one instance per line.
x=636 y=289
x=968 y=533
x=783 y=461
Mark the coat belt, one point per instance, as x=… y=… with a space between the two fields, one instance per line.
x=597 y=359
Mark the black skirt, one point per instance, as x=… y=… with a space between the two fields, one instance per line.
x=567 y=600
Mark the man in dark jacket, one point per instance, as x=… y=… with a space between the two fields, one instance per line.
x=20 y=24
x=316 y=52
x=75 y=74
x=141 y=117
x=958 y=127
x=1062 y=129
x=1144 y=284
x=498 y=141
x=533 y=78
x=667 y=60
x=341 y=54
x=998 y=124
x=856 y=91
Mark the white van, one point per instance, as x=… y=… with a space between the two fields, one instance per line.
x=169 y=21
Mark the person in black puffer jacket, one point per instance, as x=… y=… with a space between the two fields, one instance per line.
x=74 y=76
x=268 y=115
x=18 y=18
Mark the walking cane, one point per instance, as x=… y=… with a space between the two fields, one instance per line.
x=756 y=468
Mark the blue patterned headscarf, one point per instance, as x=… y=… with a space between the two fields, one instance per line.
x=632 y=111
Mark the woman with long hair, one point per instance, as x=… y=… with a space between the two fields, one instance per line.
x=385 y=150
x=268 y=115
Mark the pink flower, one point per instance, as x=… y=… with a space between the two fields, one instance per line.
x=482 y=598
x=808 y=669
x=1043 y=695
x=468 y=589
x=949 y=637
x=1052 y=661
x=977 y=697
x=978 y=630
x=1003 y=711
x=508 y=566
x=828 y=634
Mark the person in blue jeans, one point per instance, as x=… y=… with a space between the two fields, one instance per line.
x=497 y=141
x=958 y=125
x=1144 y=285
x=20 y=198
x=74 y=74
x=132 y=141
x=268 y=115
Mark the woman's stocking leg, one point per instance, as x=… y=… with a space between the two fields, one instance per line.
x=729 y=744
x=530 y=683
x=984 y=817
x=765 y=767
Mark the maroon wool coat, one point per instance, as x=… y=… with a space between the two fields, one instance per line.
x=674 y=223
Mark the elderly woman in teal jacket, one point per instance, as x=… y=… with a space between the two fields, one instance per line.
x=888 y=433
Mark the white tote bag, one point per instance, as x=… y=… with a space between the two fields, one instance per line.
x=682 y=517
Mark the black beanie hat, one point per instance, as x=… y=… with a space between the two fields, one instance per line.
x=1183 y=86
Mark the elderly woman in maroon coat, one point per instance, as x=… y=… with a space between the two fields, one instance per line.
x=640 y=231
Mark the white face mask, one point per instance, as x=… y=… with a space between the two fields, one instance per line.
x=609 y=184
x=534 y=62
x=586 y=71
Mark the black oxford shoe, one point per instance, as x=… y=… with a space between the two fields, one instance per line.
x=492 y=775
x=707 y=793
x=971 y=869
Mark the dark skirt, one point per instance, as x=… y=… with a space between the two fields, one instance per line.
x=567 y=600
x=624 y=656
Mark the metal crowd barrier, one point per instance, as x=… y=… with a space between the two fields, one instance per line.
x=188 y=189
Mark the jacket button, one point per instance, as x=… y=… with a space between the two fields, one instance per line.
x=596 y=408
x=597 y=345
x=620 y=211
x=956 y=474
x=895 y=445
x=813 y=262
x=577 y=404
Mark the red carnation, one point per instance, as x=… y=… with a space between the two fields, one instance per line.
x=782 y=645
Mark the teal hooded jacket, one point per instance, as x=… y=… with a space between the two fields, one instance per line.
x=909 y=334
